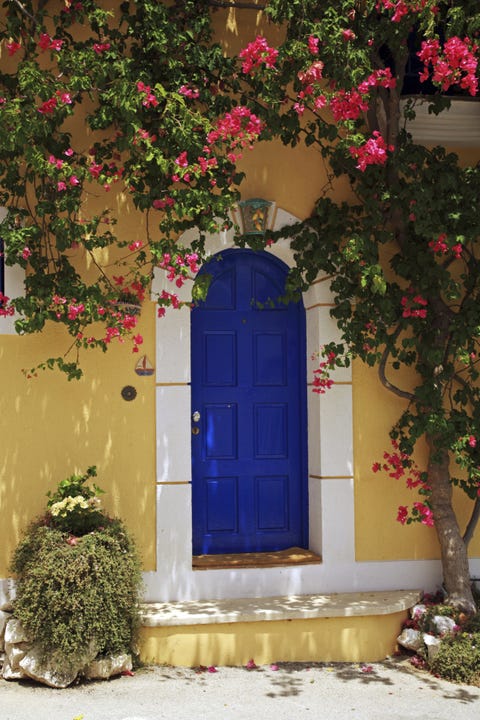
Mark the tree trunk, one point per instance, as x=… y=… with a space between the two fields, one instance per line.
x=456 y=573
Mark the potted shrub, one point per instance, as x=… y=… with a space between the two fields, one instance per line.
x=78 y=584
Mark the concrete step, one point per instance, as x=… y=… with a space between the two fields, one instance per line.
x=349 y=627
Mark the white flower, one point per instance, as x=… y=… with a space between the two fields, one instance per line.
x=65 y=506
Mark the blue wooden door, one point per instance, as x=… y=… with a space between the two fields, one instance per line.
x=249 y=491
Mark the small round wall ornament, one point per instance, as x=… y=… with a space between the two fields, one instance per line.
x=129 y=393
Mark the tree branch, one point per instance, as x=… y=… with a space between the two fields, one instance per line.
x=472 y=523
x=23 y=9
x=382 y=372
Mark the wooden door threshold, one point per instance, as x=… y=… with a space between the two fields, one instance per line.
x=278 y=558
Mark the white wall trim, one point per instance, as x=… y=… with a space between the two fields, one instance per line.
x=14 y=287
x=330 y=454
x=458 y=126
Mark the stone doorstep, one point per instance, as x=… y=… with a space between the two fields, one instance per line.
x=295 y=607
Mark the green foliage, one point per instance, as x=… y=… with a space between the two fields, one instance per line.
x=69 y=595
x=149 y=84
x=78 y=576
x=74 y=507
x=458 y=658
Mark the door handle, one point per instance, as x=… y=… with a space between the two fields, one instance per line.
x=195 y=431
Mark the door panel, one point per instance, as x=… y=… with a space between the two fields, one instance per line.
x=248 y=384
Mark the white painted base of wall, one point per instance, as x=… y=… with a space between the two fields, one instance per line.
x=174 y=578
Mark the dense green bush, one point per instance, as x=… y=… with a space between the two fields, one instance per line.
x=75 y=590
x=458 y=658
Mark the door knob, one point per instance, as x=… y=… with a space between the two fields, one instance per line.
x=196 y=416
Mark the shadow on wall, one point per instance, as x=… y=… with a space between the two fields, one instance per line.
x=52 y=428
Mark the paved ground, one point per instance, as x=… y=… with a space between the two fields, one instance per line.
x=392 y=689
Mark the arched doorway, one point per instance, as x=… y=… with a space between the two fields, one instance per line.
x=248 y=391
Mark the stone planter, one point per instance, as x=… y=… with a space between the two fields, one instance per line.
x=21 y=659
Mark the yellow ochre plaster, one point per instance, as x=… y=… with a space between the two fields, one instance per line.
x=337 y=639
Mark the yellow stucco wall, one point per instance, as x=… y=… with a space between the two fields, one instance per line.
x=377 y=534
x=336 y=639
x=51 y=428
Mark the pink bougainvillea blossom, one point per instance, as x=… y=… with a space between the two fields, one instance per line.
x=313 y=74
x=6 y=310
x=163 y=203
x=47 y=43
x=321 y=375
x=75 y=310
x=402 y=8
x=64 y=97
x=439 y=245
x=52 y=160
x=26 y=252
x=182 y=160
x=137 y=340
x=348 y=35
x=402 y=514
x=95 y=169
x=348 y=105
x=135 y=245
x=454 y=63
x=256 y=54
x=100 y=48
x=13 y=47
x=379 y=78
x=425 y=513
x=48 y=106
x=149 y=99
x=313 y=45
x=171 y=298
x=372 y=152
x=415 y=307
x=189 y=92
x=400 y=465
x=240 y=127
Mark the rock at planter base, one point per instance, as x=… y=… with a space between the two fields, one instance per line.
x=418 y=611
x=14 y=632
x=7 y=594
x=50 y=673
x=411 y=639
x=15 y=653
x=105 y=667
x=4 y=618
x=443 y=625
x=433 y=645
x=9 y=674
